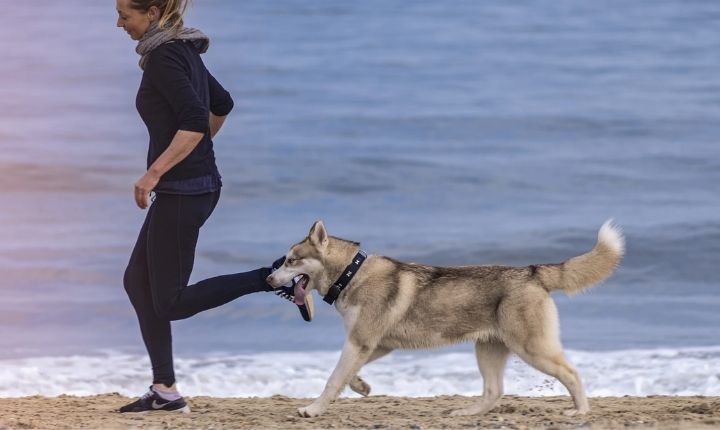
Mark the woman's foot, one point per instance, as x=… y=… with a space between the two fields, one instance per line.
x=304 y=302
x=154 y=401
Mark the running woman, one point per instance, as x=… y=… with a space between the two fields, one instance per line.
x=183 y=107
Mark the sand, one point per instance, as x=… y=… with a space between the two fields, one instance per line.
x=374 y=412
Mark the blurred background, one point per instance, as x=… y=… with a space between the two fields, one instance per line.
x=445 y=133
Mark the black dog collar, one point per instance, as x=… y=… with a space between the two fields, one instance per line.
x=345 y=278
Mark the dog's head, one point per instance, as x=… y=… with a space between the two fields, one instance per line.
x=305 y=259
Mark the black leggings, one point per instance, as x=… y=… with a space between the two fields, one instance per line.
x=159 y=269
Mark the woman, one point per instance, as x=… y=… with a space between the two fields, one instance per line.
x=183 y=107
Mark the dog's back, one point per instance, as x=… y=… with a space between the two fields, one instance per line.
x=434 y=306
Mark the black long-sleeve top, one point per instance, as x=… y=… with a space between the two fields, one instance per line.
x=177 y=93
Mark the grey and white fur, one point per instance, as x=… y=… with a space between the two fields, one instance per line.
x=392 y=305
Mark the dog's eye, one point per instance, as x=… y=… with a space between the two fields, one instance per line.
x=291 y=260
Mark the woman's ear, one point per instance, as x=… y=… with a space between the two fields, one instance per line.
x=153 y=13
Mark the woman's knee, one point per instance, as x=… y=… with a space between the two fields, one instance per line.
x=164 y=308
x=133 y=281
x=138 y=288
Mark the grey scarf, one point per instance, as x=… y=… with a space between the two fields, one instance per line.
x=155 y=36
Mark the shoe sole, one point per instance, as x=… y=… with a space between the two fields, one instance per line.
x=184 y=410
x=310 y=306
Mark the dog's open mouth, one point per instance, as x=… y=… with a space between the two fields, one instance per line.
x=299 y=292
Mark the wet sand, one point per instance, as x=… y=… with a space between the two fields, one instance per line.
x=374 y=412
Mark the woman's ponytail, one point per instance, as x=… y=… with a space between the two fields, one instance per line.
x=171 y=11
x=172 y=16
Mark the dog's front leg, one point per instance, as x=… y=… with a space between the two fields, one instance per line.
x=352 y=358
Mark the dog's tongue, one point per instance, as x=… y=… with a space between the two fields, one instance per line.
x=299 y=293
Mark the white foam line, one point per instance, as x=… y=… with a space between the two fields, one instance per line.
x=693 y=371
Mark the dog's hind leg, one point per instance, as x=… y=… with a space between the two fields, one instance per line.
x=554 y=364
x=491 y=358
x=534 y=338
x=357 y=384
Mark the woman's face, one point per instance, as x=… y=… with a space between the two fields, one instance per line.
x=135 y=22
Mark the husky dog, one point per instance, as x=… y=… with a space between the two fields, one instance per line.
x=391 y=305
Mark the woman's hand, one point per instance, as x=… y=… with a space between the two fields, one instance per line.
x=182 y=144
x=143 y=187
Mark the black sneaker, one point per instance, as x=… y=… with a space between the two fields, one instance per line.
x=152 y=401
x=295 y=292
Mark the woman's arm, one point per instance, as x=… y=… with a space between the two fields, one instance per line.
x=169 y=76
x=220 y=105
x=181 y=146
x=216 y=123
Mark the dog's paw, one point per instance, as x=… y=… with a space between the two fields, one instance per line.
x=575 y=412
x=311 y=410
x=464 y=412
x=477 y=409
x=358 y=385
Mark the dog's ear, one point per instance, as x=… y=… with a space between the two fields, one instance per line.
x=318 y=235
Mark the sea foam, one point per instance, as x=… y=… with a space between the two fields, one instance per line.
x=694 y=371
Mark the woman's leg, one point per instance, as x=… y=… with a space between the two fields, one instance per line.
x=155 y=331
x=159 y=268
x=172 y=236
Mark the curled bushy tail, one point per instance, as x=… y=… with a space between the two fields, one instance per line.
x=586 y=270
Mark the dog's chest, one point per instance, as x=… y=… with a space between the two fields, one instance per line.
x=348 y=313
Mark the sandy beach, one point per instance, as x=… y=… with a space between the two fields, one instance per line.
x=376 y=412
x=442 y=133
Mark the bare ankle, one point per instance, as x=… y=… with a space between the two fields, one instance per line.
x=163 y=387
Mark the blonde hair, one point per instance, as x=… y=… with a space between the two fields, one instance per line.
x=171 y=11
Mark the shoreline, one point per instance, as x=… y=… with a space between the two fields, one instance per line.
x=279 y=412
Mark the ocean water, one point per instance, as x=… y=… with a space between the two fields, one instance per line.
x=672 y=372
x=442 y=133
